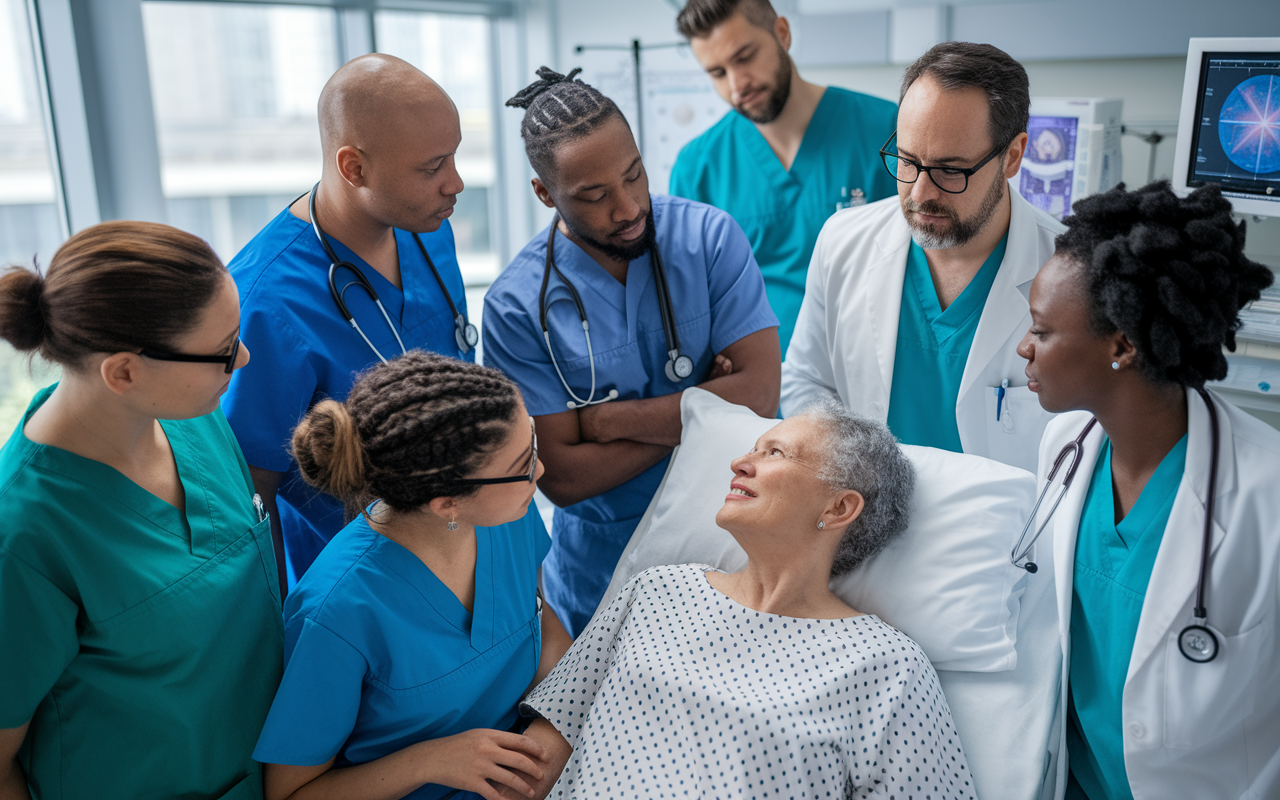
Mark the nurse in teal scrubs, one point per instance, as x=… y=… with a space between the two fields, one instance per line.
x=1129 y=322
x=419 y=627
x=789 y=153
x=139 y=612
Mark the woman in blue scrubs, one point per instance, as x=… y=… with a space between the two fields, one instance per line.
x=415 y=633
x=1130 y=319
x=140 y=628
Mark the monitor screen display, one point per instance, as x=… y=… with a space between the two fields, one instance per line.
x=1236 y=142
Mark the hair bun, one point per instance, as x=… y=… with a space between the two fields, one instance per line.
x=330 y=456
x=22 y=312
x=547 y=77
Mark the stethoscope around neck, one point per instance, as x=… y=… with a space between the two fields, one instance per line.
x=1196 y=641
x=678 y=367
x=464 y=333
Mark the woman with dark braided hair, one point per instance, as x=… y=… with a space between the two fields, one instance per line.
x=1169 y=623
x=410 y=640
x=674 y=300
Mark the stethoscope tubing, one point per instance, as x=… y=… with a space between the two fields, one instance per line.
x=465 y=334
x=676 y=362
x=1197 y=642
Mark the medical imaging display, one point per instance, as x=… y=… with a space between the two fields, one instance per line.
x=1237 y=141
x=1049 y=164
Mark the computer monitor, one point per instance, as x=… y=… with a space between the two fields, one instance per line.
x=1229 y=128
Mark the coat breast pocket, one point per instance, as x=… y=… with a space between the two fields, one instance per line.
x=1205 y=701
x=1014 y=438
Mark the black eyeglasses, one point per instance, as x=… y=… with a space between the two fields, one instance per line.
x=533 y=467
x=228 y=360
x=952 y=180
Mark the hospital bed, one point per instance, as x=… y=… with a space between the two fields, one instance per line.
x=989 y=628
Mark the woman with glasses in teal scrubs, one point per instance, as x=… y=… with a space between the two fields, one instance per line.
x=140 y=617
x=417 y=630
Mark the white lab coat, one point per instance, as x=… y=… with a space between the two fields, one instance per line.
x=846 y=336
x=1191 y=730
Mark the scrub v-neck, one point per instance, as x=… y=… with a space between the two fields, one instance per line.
x=477 y=624
x=194 y=525
x=808 y=155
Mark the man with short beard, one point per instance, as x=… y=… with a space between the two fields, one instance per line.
x=789 y=153
x=915 y=305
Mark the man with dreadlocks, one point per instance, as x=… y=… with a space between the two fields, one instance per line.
x=603 y=260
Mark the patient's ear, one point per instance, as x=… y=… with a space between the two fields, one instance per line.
x=843 y=509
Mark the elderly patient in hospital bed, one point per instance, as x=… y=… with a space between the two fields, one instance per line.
x=762 y=682
x=989 y=629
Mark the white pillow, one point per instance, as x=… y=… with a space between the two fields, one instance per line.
x=946 y=581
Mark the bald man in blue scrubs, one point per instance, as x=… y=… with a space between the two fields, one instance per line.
x=389 y=184
x=788 y=155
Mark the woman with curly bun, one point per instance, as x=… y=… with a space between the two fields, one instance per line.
x=417 y=630
x=140 y=628
x=1168 y=691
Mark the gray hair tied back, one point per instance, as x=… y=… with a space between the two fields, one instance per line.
x=862 y=455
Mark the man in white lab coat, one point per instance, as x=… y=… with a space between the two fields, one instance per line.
x=914 y=305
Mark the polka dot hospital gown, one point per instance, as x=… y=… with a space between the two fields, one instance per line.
x=677 y=691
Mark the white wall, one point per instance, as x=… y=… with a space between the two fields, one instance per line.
x=1151 y=87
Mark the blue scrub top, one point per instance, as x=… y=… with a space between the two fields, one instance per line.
x=732 y=167
x=1112 y=569
x=719 y=298
x=303 y=351
x=933 y=347
x=380 y=654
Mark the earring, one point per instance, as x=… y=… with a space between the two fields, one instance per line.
x=1115 y=365
x=821 y=524
x=453 y=525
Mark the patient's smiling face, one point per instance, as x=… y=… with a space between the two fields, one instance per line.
x=776 y=484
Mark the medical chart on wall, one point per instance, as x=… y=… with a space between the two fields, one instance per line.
x=678 y=100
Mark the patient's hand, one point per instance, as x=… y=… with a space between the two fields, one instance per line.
x=557 y=755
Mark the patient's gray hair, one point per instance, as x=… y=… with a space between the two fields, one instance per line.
x=862 y=455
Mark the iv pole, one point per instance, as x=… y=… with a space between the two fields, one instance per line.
x=635 y=47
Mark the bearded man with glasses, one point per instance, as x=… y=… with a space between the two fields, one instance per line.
x=914 y=306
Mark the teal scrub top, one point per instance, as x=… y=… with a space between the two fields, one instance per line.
x=143 y=643
x=732 y=167
x=382 y=655
x=1113 y=566
x=933 y=347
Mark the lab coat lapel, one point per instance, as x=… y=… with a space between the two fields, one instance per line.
x=1006 y=304
x=1177 y=568
x=885 y=277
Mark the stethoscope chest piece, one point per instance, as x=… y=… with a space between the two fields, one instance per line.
x=1198 y=643
x=679 y=368
x=465 y=333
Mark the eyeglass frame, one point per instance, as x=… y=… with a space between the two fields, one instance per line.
x=228 y=360
x=967 y=172
x=533 y=467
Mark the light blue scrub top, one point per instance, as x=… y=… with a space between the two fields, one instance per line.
x=303 y=351
x=380 y=654
x=732 y=167
x=933 y=347
x=719 y=298
x=1113 y=566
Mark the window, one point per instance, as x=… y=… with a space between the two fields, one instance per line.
x=454 y=50
x=30 y=225
x=234 y=87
